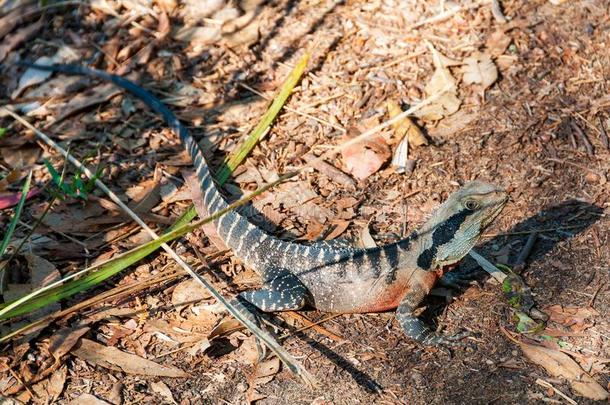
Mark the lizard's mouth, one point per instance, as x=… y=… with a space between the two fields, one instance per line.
x=487 y=221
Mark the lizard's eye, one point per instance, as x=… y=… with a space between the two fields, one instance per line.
x=471 y=205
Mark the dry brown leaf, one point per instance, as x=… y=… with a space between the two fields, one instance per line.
x=13 y=41
x=573 y=317
x=199 y=347
x=442 y=81
x=24 y=156
x=366 y=240
x=189 y=291
x=12 y=177
x=559 y=364
x=162 y=389
x=146 y=195
x=115 y=359
x=247 y=353
x=366 y=157
x=339 y=228
x=47 y=390
x=64 y=340
x=172 y=330
x=405 y=126
x=480 y=69
x=263 y=373
x=42 y=272
x=94 y=96
x=88 y=399
x=33 y=76
x=56 y=383
x=497 y=42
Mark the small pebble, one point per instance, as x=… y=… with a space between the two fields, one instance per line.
x=592 y=178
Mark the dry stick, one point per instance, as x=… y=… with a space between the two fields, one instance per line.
x=446 y=14
x=331 y=171
x=603 y=133
x=566 y=162
x=597 y=290
x=546 y=384
x=116 y=292
x=314 y=325
x=282 y=354
x=290 y=362
x=496 y=11
x=519 y=264
x=583 y=137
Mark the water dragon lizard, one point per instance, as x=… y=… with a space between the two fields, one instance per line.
x=334 y=277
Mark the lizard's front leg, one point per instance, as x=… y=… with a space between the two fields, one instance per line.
x=414 y=328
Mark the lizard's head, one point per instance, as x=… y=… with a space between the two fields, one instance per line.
x=455 y=227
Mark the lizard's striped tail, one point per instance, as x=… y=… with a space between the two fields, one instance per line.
x=235 y=230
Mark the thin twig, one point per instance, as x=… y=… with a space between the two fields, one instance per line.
x=446 y=14
x=519 y=264
x=496 y=11
x=558 y=228
x=315 y=325
x=566 y=162
x=597 y=290
x=23 y=384
x=603 y=133
x=583 y=137
x=286 y=357
x=545 y=384
x=488 y=266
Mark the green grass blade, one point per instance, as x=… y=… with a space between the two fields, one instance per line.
x=97 y=274
x=69 y=286
x=243 y=151
x=13 y=224
x=245 y=148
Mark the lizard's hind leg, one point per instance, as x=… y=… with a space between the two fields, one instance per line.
x=414 y=328
x=282 y=292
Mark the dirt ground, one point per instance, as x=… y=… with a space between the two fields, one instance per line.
x=538 y=129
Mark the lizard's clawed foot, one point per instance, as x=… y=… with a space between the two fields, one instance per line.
x=457 y=280
x=450 y=341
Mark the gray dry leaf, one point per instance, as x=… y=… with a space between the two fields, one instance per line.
x=33 y=76
x=442 y=82
x=480 y=69
x=559 y=364
x=366 y=240
x=189 y=292
x=115 y=359
x=42 y=272
x=88 y=399
x=162 y=389
x=62 y=341
x=11 y=42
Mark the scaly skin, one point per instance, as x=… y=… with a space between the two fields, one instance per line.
x=329 y=276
